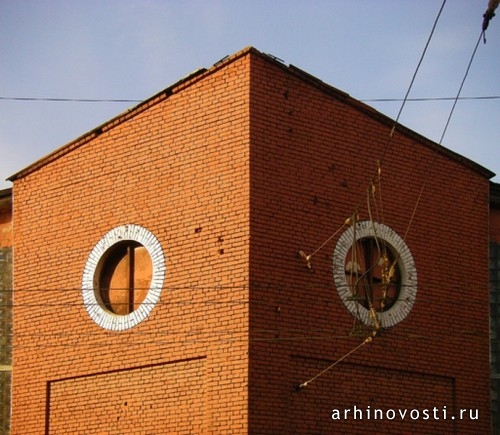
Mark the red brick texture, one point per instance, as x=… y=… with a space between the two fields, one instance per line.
x=313 y=156
x=495 y=213
x=235 y=171
x=5 y=307
x=180 y=169
x=5 y=219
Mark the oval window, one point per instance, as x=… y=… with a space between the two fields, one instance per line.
x=373 y=269
x=123 y=277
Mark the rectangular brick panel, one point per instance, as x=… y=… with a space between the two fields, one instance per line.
x=163 y=398
x=425 y=400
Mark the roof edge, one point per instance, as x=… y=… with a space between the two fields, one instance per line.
x=6 y=192
x=378 y=116
x=441 y=149
x=106 y=126
x=6 y=197
x=389 y=122
x=160 y=96
x=201 y=73
x=494 y=194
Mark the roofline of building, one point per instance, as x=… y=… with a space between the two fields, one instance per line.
x=203 y=72
x=5 y=196
x=494 y=195
x=389 y=122
x=6 y=193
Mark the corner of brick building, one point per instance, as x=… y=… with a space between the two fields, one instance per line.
x=235 y=172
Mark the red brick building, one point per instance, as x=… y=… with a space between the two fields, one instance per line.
x=251 y=251
x=495 y=302
x=5 y=308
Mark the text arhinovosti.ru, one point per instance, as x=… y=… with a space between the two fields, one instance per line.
x=434 y=413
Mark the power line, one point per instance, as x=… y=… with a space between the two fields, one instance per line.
x=214 y=288
x=71 y=100
x=425 y=99
x=365 y=100
x=461 y=86
x=351 y=220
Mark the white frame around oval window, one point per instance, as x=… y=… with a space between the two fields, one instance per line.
x=90 y=291
x=408 y=271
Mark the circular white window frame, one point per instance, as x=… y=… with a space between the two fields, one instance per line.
x=90 y=288
x=408 y=272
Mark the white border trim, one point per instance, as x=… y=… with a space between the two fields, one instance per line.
x=406 y=265
x=101 y=315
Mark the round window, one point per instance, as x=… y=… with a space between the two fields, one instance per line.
x=123 y=277
x=373 y=269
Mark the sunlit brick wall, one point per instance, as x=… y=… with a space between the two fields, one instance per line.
x=178 y=168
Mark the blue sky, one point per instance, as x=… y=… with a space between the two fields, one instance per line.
x=131 y=49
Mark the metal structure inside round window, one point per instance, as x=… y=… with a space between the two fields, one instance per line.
x=373 y=270
x=123 y=277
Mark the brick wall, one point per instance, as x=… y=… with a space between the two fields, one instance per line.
x=180 y=169
x=5 y=218
x=234 y=172
x=312 y=159
x=495 y=213
x=495 y=303
x=5 y=308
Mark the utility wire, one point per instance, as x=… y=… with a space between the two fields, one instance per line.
x=71 y=100
x=364 y=100
x=461 y=86
x=285 y=286
x=350 y=220
x=277 y=335
x=32 y=340
x=331 y=366
x=405 y=99
x=445 y=129
x=427 y=99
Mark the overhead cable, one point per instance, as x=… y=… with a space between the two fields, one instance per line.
x=72 y=100
x=125 y=100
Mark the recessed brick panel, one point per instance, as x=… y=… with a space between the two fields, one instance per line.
x=163 y=398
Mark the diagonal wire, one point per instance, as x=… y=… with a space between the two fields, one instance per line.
x=432 y=162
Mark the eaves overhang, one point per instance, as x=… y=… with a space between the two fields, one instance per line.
x=97 y=131
x=6 y=197
x=494 y=195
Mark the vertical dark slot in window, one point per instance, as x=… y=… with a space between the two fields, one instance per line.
x=125 y=277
